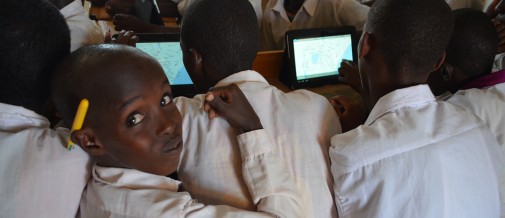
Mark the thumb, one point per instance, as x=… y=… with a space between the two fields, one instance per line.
x=342 y=104
x=215 y=102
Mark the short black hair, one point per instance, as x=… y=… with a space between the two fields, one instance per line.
x=34 y=38
x=412 y=34
x=473 y=44
x=224 y=31
x=92 y=72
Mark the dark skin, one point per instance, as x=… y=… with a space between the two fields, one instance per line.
x=448 y=78
x=377 y=78
x=132 y=121
x=122 y=12
x=496 y=11
x=124 y=38
x=113 y=7
x=203 y=74
x=132 y=23
x=167 y=7
x=218 y=101
x=292 y=6
x=138 y=120
x=350 y=114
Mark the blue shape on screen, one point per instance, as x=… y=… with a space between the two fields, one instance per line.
x=348 y=53
x=315 y=58
x=182 y=78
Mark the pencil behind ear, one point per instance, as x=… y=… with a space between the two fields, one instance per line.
x=85 y=138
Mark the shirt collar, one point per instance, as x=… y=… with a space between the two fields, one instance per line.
x=400 y=98
x=243 y=76
x=72 y=9
x=133 y=179
x=13 y=118
x=309 y=6
x=277 y=5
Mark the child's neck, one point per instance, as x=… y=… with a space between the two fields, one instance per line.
x=292 y=6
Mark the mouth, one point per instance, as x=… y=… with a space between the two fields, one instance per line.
x=172 y=145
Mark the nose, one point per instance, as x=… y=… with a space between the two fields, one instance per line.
x=166 y=125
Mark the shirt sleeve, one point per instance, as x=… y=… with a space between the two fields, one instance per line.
x=270 y=184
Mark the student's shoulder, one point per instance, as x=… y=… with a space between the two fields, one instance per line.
x=400 y=131
x=479 y=97
x=159 y=203
x=303 y=95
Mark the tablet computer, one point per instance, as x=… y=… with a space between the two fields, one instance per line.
x=166 y=49
x=313 y=56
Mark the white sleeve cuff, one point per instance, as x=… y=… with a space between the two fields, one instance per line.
x=254 y=143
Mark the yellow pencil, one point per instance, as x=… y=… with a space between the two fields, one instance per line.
x=78 y=120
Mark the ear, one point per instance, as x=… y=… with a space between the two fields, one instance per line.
x=439 y=63
x=85 y=138
x=196 y=57
x=447 y=72
x=364 y=45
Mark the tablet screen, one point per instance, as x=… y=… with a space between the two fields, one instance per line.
x=321 y=56
x=169 y=54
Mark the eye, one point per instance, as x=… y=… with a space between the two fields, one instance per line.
x=165 y=100
x=134 y=119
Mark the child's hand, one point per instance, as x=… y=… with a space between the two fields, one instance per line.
x=126 y=38
x=230 y=103
x=351 y=114
x=348 y=73
x=113 y=7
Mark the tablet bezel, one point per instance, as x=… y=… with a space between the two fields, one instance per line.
x=291 y=35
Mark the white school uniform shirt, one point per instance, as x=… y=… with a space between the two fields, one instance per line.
x=312 y=14
x=488 y=104
x=39 y=177
x=300 y=124
x=415 y=157
x=83 y=31
x=119 y=192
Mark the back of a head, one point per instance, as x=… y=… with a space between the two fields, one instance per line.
x=34 y=39
x=224 y=31
x=473 y=44
x=411 y=34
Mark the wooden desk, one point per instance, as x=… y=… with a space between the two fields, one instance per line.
x=269 y=64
